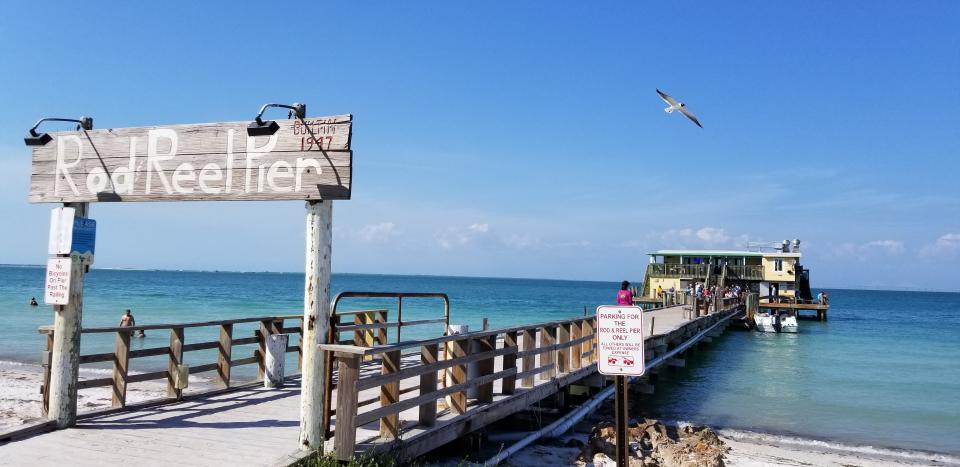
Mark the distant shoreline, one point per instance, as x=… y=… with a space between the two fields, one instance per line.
x=224 y=271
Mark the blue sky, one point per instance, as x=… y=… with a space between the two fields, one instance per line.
x=524 y=139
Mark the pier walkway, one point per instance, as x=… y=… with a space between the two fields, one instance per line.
x=408 y=402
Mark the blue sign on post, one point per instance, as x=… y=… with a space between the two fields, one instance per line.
x=84 y=236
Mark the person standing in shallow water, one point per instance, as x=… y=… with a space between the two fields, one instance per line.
x=625 y=296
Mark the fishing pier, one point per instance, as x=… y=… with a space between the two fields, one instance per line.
x=406 y=397
x=357 y=387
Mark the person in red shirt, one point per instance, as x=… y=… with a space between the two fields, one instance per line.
x=625 y=296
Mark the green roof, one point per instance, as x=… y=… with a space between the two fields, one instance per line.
x=752 y=254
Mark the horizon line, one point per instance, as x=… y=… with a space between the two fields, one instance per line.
x=214 y=271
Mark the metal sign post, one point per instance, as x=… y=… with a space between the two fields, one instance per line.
x=623 y=448
x=620 y=346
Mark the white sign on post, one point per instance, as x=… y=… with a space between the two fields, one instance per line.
x=57 y=288
x=620 y=340
x=61 y=231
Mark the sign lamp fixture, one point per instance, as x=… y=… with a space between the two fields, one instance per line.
x=269 y=127
x=39 y=139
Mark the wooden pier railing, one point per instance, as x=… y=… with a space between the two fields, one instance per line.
x=545 y=351
x=122 y=354
x=514 y=368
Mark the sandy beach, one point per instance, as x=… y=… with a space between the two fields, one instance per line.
x=20 y=392
x=747 y=449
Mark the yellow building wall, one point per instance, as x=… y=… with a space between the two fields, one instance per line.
x=665 y=283
x=788 y=274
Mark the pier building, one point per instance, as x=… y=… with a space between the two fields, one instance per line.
x=776 y=273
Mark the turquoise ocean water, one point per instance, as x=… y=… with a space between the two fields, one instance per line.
x=884 y=371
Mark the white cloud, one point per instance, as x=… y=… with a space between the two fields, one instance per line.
x=453 y=237
x=712 y=235
x=483 y=228
x=704 y=236
x=521 y=241
x=866 y=250
x=891 y=246
x=946 y=246
x=377 y=232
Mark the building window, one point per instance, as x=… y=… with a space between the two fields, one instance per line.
x=778 y=265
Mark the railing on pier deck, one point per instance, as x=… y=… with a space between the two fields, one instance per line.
x=678 y=270
x=701 y=271
x=369 y=329
x=566 y=351
x=753 y=272
x=122 y=354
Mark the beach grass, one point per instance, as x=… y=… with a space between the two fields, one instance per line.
x=367 y=459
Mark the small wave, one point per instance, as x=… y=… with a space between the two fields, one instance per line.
x=836 y=447
x=9 y=363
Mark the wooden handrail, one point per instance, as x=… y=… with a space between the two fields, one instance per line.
x=565 y=347
x=148 y=327
x=378 y=349
x=122 y=354
x=359 y=327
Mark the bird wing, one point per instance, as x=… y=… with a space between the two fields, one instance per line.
x=689 y=115
x=669 y=100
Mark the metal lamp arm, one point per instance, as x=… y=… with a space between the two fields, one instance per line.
x=84 y=122
x=300 y=110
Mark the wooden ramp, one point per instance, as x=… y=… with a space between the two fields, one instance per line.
x=256 y=426
x=242 y=427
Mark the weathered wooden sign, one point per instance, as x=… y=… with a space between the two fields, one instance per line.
x=307 y=159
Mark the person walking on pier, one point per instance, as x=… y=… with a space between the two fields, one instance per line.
x=625 y=296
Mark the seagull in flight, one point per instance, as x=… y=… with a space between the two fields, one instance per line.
x=674 y=105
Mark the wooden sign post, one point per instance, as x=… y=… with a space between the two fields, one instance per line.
x=65 y=358
x=316 y=313
x=297 y=159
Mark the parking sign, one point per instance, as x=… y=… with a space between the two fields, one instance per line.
x=620 y=340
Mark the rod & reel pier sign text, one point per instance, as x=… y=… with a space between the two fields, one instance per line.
x=620 y=340
x=305 y=159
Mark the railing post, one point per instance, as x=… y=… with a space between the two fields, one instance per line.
x=576 y=332
x=121 y=361
x=224 y=350
x=428 y=383
x=548 y=337
x=266 y=329
x=275 y=360
x=381 y=332
x=458 y=374
x=47 y=355
x=300 y=347
x=363 y=337
x=587 y=346
x=345 y=434
x=563 y=354
x=485 y=367
x=529 y=361
x=509 y=383
x=176 y=359
x=593 y=342
x=389 y=394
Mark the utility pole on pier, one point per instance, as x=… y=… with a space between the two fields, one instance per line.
x=316 y=311
x=65 y=358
